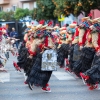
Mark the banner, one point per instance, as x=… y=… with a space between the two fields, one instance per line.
x=49 y=60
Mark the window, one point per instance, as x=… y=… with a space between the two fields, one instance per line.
x=34 y=5
x=8 y=9
x=1 y=8
x=26 y=5
x=14 y=7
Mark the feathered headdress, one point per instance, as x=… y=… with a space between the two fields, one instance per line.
x=50 y=23
x=90 y=14
x=41 y=22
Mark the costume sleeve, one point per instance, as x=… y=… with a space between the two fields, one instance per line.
x=25 y=37
x=95 y=41
x=32 y=50
x=50 y=42
x=76 y=36
x=70 y=37
x=81 y=35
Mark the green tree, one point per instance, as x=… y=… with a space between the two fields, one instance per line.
x=75 y=7
x=31 y=13
x=21 y=13
x=2 y=14
x=7 y=16
x=44 y=10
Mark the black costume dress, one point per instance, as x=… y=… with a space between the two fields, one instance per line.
x=62 y=53
x=94 y=71
x=85 y=61
x=24 y=61
x=36 y=75
x=23 y=52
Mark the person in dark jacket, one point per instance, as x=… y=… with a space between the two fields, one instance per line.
x=14 y=34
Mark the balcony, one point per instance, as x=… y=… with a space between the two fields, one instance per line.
x=4 y=2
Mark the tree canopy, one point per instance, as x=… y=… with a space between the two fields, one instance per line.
x=7 y=16
x=75 y=6
x=44 y=10
x=21 y=13
x=51 y=9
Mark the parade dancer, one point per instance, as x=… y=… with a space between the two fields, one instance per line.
x=75 y=42
x=62 y=50
x=6 y=45
x=92 y=76
x=71 y=31
x=37 y=76
x=87 y=53
x=23 y=51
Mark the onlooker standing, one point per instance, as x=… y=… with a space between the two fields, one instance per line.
x=14 y=34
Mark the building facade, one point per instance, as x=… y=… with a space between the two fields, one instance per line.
x=95 y=13
x=7 y=5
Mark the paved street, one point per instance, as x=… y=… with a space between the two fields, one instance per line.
x=64 y=86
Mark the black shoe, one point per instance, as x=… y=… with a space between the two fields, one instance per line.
x=30 y=86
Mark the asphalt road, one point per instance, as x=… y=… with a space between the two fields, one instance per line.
x=64 y=86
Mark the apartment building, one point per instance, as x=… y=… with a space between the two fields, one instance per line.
x=7 y=5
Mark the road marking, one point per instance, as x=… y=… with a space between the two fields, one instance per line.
x=4 y=77
x=63 y=75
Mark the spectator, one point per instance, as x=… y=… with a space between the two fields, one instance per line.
x=14 y=34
